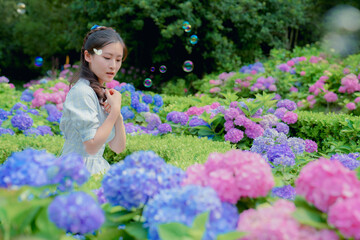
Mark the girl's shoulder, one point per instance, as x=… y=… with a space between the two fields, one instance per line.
x=82 y=86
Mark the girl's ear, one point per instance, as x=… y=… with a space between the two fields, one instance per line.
x=87 y=56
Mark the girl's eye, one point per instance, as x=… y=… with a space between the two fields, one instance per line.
x=118 y=60
x=106 y=58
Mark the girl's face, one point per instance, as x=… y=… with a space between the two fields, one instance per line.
x=107 y=64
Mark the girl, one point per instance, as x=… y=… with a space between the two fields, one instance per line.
x=91 y=114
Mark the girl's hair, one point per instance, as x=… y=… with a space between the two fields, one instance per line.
x=96 y=38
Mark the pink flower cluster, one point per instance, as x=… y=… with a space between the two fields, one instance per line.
x=243 y=83
x=331 y=97
x=57 y=96
x=199 y=110
x=114 y=83
x=349 y=84
x=233 y=175
x=277 y=222
x=290 y=117
x=318 y=85
x=323 y=182
x=264 y=84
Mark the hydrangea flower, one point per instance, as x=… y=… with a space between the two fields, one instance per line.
x=76 y=212
x=234 y=135
x=6 y=131
x=323 y=182
x=282 y=128
x=184 y=204
x=290 y=117
x=152 y=119
x=164 y=128
x=53 y=112
x=19 y=106
x=347 y=160
x=281 y=154
x=177 y=117
x=158 y=101
x=233 y=175
x=34 y=112
x=297 y=145
x=147 y=99
x=127 y=113
x=4 y=114
x=280 y=112
x=196 y=121
x=32 y=132
x=132 y=182
x=45 y=130
x=286 y=103
x=286 y=192
x=344 y=215
x=310 y=146
x=22 y=121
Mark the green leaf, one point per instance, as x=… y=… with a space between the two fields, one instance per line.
x=137 y=230
x=199 y=225
x=231 y=236
x=174 y=231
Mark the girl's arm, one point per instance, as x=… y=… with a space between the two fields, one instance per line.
x=92 y=146
x=118 y=143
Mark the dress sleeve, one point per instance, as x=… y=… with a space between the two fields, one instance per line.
x=84 y=114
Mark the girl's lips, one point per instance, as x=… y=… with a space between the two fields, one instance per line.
x=110 y=74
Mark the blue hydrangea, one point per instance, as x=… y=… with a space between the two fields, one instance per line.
x=22 y=121
x=196 y=121
x=6 y=131
x=156 y=109
x=271 y=110
x=158 y=101
x=19 y=106
x=76 y=212
x=131 y=128
x=4 y=114
x=27 y=96
x=32 y=132
x=53 y=112
x=135 y=100
x=142 y=107
x=127 y=113
x=262 y=144
x=347 y=160
x=132 y=182
x=287 y=192
x=177 y=117
x=281 y=154
x=184 y=204
x=0 y=123
x=45 y=130
x=127 y=87
x=282 y=128
x=297 y=145
x=38 y=168
x=286 y=103
x=164 y=128
x=34 y=112
x=147 y=99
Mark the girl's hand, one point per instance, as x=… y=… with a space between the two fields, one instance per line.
x=113 y=99
x=107 y=107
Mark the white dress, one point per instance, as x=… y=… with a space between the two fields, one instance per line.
x=82 y=116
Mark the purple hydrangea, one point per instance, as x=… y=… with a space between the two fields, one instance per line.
x=53 y=112
x=158 y=101
x=4 y=114
x=127 y=113
x=38 y=168
x=76 y=212
x=348 y=160
x=268 y=121
x=142 y=107
x=100 y=195
x=286 y=103
x=45 y=130
x=196 y=121
x=253 y=130
x=271 y=110
x=177 y=117
x=164 y=128
x=135 y=100
x=262 y=144
x=4 y=79
x=287 y=192
x=131 y=128
x=281 y=154
x=34 y=112
x=231 y=114
x=280 y=112
x=234 y=135
x=27 y=96
x=32 y=132
x=282 y=128
x=296 y=144
x=153 y=120
x=184 y=204
x=6 y=131
x=19 y=106
x=147 y=99
x=132 y=182
x=22 y=121
x=310 y=146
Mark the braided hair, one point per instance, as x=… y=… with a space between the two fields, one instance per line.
x=96 y=38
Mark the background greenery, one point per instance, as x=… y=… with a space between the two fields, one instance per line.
x=231 y=33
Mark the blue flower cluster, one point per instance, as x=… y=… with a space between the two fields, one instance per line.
x=281 y=154
x=184 y=204
x=177 y=117
x=27 y=95
x=22 y=121
x=38 y=168
x=40 y=130
x=34 y=112
x=132 y=182
x=257 y=67
x=152 y=119
x=76 y=212
x=147 y=99
x=4 y=114
x=18 y=106
x=348 y=160
x=288 y=104
x=287 y=192
x=53 y=112
x=196 y=121
x=6 y=131
x=127 y=113
x=164 y=128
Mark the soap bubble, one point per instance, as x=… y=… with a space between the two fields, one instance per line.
x=162 y=69
x=152 y=69
x=147 y=82
x=194 y=39
x=39 y=61
x=188 y=66
x=188 y=28
x=21 y=8
x=185 y=24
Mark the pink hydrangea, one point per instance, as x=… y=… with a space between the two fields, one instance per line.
x=310 y=146
x=215 y=82
x=194 y=111
x=11 y=85
x=350 y=83
x=302 y=73
x=357 y=100
x=195 y=174
x=331 y=97
x=290 y=63
x=215 y=90
x=293 y=89
x=234 y=135
x=215 y=105
x=290 y=117
x=346 y=71
x=228 y=125
x=351 y=106
x=253 y=130
x=307 y=232
x=271 y=222
x=345 y=216
x=233 y=175
x=314 y=59
x=323 y=182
